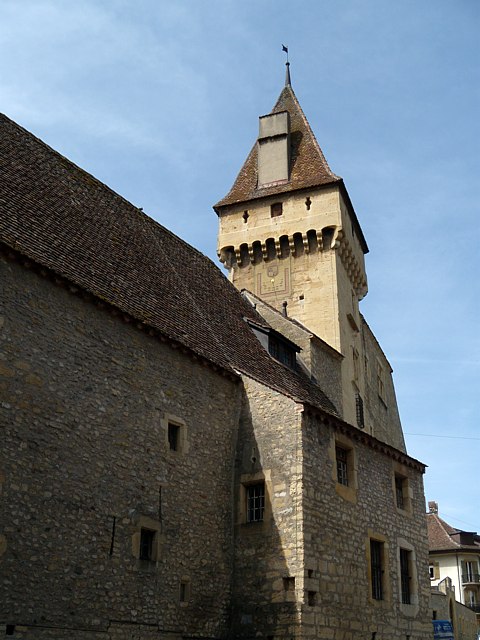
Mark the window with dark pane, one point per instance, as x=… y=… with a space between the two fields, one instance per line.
x=405 y=577
x=281 y=352
x=276 y=209
x=255 y=502
x=147 y=537
x=173 y=436
x=399 y=493
x=359 y=411
x=342 y=465
x=376 y=567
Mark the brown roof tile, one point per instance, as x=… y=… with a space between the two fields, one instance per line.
x=309 y=167
x=440 y=536
x=64 y=219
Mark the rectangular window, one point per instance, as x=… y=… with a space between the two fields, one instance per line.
x=399 y=491
x=356 y=366
x=281 y=351
x=359 y=411
x=376 y=566
x=470 y=571
x=276 y=209
x=381 y=383
x=342 y=465
x=405 y=577
x=147 y=537
x=289 y=583
x=173 y=436
x=255 y=502
x=184 y=591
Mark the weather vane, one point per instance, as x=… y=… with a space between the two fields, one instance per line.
x=288 y=82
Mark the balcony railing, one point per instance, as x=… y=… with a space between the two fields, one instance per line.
x=470 y=578
x=475 y=606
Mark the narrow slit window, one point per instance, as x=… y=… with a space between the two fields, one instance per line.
x=399 y=492
x=342 y=465
x=173 y=436
x=405 y=576
x=376 y=566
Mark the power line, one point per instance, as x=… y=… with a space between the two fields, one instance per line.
x=458 y=519
x=436 y=435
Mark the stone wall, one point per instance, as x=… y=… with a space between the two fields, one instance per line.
x=322 y=362
x=339 y=522
x=445 y=607
x=268 y=554
x=381 y=410
x=86 y=463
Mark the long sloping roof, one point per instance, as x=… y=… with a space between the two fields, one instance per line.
x=62 y=218
x=308 y=167
x=440 y=536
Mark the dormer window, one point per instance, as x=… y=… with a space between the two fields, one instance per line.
x=277 y=345
x=281 y=351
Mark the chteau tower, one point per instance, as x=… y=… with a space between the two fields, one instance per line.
x=288 y=232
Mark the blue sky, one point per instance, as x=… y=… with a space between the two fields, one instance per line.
x=160 y=100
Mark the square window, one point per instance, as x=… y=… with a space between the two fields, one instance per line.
x=147 y=537
x=342 y=465
x=255 y=494
x=276 y=209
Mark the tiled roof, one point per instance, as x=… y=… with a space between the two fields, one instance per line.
x=440 y=536
x=64 y=219
x=309 y=167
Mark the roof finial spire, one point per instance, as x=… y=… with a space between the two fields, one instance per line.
x=288 y=82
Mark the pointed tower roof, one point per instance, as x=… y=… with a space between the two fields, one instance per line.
x=308 y=166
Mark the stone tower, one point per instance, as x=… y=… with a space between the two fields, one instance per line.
x=288 y=232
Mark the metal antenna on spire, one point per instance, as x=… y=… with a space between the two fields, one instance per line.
x=288 y=82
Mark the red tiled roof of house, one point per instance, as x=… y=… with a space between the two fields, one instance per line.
x=440 y=536
x=64 y=219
